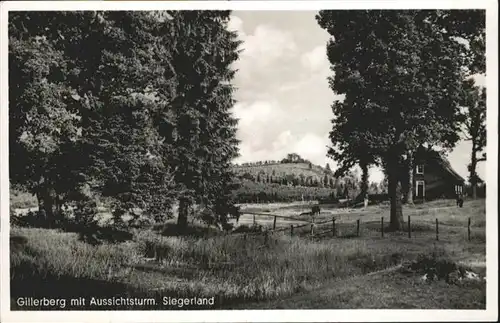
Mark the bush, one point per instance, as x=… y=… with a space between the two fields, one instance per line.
x=30 y=220
x=22 y=200
x=437 y=266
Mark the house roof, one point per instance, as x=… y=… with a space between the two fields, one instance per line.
x=443 y=161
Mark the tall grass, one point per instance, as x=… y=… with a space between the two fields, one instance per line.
x=231 y=268
x=56 y=254
x=235 y=267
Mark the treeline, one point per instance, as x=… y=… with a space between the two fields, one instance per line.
x=289 y=159
x=260 y=163
x=132 y=107
x=291 y=179
x=271 y=176
x=251 y=192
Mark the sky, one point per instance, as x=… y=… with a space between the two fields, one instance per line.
x=283 y=98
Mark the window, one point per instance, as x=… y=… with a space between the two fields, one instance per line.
x=458 y=189
x=420 y=169
x=420 y=188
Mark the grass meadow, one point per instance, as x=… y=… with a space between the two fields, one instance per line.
x=252 y=271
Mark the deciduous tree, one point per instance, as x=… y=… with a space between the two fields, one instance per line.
x=474 y=102
x=401 y=80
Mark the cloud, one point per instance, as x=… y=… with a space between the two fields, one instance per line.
x=267 y=53
x=256 y=125
x=235 y=24
x=283 y=140
x=257 y=113
x=311 y=145
x=268 y=44
x=272 y=122
x=302 y=84
x=265 y=43
x=316 y=59
x=283 y=107
x=267 y=130
x=283 y=94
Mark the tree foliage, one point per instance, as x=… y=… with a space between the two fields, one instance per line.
x=471 y=27
x=401 y=79
x=474 y=102
x=127 y=106
x=206 y=133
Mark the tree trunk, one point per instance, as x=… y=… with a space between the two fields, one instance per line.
x=396 y=217
x=59 y=203
x=46 y=205
x=364 y=183
x=182 y=219
x=409 y=191
x=41 y=205
x=472 y=170
x=364 y=179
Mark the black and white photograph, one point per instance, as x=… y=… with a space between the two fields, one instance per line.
x=205 y=158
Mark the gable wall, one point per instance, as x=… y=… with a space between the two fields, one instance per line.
x=438 y=182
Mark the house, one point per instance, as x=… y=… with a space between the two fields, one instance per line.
x=433 y=177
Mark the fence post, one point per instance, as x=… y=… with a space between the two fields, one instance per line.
x=266 y=237
x=333 y=227
x=245 y=237
x=254 y=219
x=312 y=229
x=437 y=230
x=357 y=227
x=382 y=226
x=291 y=230
x=409 y=227
x=468 y=230
x=274 y=223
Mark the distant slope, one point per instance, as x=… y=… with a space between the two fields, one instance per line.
x=252 y=192
x=291 y=181
x=283 y=169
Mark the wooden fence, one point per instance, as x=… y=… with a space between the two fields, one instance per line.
x=331 y=227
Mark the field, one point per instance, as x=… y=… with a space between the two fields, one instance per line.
x=273 y=271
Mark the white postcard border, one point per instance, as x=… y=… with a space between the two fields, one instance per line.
x=491 y=312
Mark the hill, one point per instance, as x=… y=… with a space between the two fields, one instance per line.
x=291 y=179
x=309 y=172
